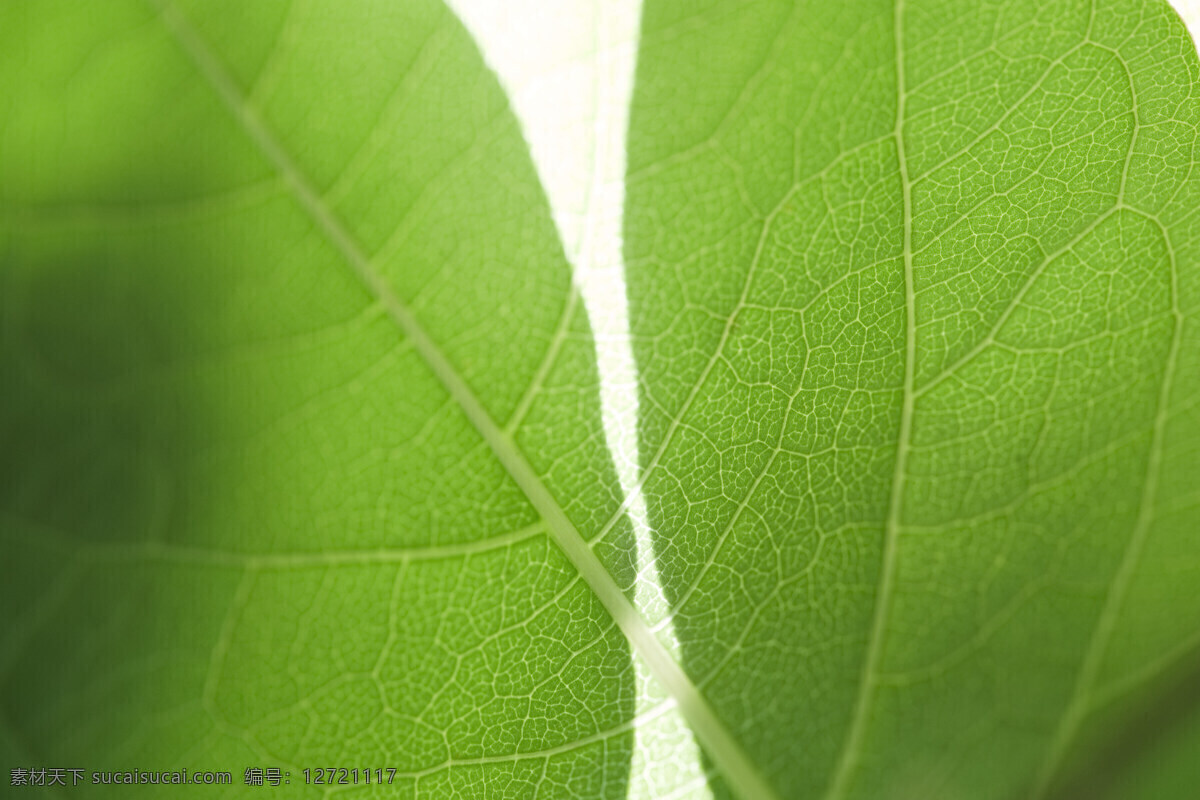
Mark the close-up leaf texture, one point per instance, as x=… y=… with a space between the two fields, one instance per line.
x=306 y=445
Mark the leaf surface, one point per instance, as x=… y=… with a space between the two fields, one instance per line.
x=305 y=462
x=915 y=287
x=276 y=307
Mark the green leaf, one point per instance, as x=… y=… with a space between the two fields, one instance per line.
x=277 y=487
x=915 y=288
x=309 y=458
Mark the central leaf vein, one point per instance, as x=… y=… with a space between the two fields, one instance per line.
x=852 y=749
x=738 y=769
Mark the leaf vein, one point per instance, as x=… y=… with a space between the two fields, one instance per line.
x=740 y=771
